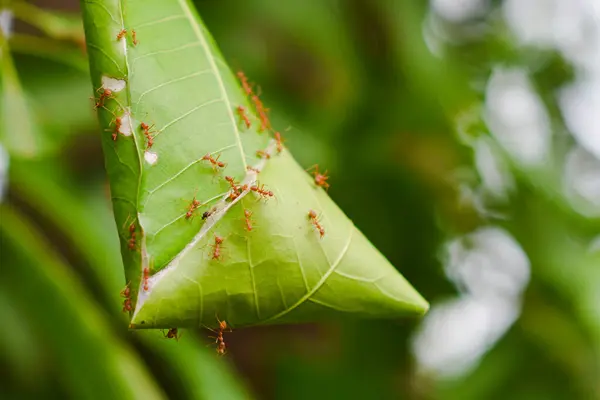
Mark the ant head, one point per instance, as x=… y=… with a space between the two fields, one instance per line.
x=312 y=214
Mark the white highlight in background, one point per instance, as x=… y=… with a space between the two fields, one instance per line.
x=492 y=271
x=460 y=10
x=517 y=117
x=581 y=181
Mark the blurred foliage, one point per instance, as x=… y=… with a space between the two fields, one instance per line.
x=396 y=124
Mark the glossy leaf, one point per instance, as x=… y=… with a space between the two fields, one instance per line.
x=171 y=76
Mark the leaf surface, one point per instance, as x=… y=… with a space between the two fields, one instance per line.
x=282 y=270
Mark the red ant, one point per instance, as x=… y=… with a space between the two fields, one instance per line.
x=217 y=247
x=127 y=305
x=232 y=183
x=135 y=42
x=315 y=221
x=147 y=129
x=126 y=292
x=262 y=113
x=173 y=334
x=104 y=94
x=118 y=123
x=214 y=161
x=150 y=141
x=320 y=178
x=235 y=193
x=193 y=207
x=127 y=302
x=121 y=34
x=249 y=168
x=241 y=110
x=245 y=85
x=221 y=347
x=263 y=154
x=145 y=278
x=131 y=242
x=261 y=191
x=248 y=216
x=232 y=195
x=236 y=189
x=279 y=141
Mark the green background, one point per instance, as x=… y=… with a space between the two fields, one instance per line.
x=406 y=105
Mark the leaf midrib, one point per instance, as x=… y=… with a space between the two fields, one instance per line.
x=213 y=66
x=130 y=111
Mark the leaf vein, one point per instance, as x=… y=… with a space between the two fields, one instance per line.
x=166 y=51
x=300 y=265
x=183 y=214
x=182 y=78
x=99 y=4
x=319 y=284
x=160 y=21
x=200 y=298
x=93 y=46
x=358 y=278
x=211 y=60
x=198 y=107
x=172 y=178
x=325 y=304
x=128 y=96
x=251 y=267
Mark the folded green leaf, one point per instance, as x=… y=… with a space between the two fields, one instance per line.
x=169 y=106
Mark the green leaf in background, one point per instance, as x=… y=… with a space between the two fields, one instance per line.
x=70 y=322
x=187 y=252
x=56 y=24
x=18 y=130
x=49 y=49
